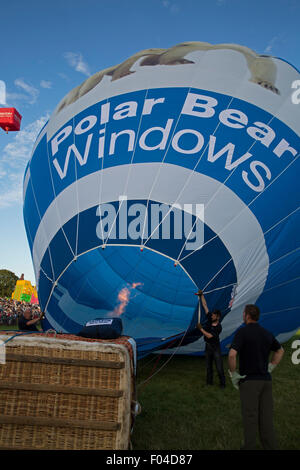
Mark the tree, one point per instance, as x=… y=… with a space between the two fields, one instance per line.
x=8 y=281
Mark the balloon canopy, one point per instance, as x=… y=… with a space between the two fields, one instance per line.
x=175 y=170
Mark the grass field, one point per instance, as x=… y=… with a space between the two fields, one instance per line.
x=179 y=412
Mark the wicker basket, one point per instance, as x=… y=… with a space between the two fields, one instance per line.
x=58 y=393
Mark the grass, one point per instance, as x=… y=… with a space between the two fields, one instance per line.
x=15 y=327
x=5 y=327
x=179 y=412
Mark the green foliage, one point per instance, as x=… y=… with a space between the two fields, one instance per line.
x=8 y=281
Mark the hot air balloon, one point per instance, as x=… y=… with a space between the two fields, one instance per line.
x=10 y=119
x=174 y=171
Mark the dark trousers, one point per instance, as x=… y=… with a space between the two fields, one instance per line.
x=213 y=355
x=257 y=413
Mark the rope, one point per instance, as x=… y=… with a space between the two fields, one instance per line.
x=20 y=334
x=77 y=195
x=101 y=174
x=257 y=238
x=198 y=67
x=159 y=357
x=246 y=207
x=194 y=169
x=230 y=174
x=55 y=199
x=167 y=347
x=42 y=225
x=129 y=170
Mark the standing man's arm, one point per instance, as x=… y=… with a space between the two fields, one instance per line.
x=232 y=360
x=276 y=358
x=233 y=352
x=233 y=374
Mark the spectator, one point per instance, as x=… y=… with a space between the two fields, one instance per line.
x=27 y=321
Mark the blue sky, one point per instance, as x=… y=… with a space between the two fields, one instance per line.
x=49 y=48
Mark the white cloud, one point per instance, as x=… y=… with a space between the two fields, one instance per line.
x=270 y=45
x=172 y=7
x=46 y=84
x=2 y=92
x=76 y=61
x=13 y=97
x=13 y=161
x=64 y=76
x=11 y=197
x=32 y=92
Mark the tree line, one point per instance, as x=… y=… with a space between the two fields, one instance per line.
x=8 y=281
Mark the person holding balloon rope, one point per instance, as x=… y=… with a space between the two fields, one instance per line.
x=211 y=334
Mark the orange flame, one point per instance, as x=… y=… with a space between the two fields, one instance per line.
x=123 y=298
x=135 y=284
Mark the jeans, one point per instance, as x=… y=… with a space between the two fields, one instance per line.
x=213 y=355
x=257 y=413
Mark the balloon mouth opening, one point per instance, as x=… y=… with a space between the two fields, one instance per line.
x=137 y=284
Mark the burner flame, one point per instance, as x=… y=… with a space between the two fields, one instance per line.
x=124 y=297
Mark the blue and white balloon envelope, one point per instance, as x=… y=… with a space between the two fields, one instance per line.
x=173 y=171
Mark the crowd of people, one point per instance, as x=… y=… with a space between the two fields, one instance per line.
x=12 y=310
